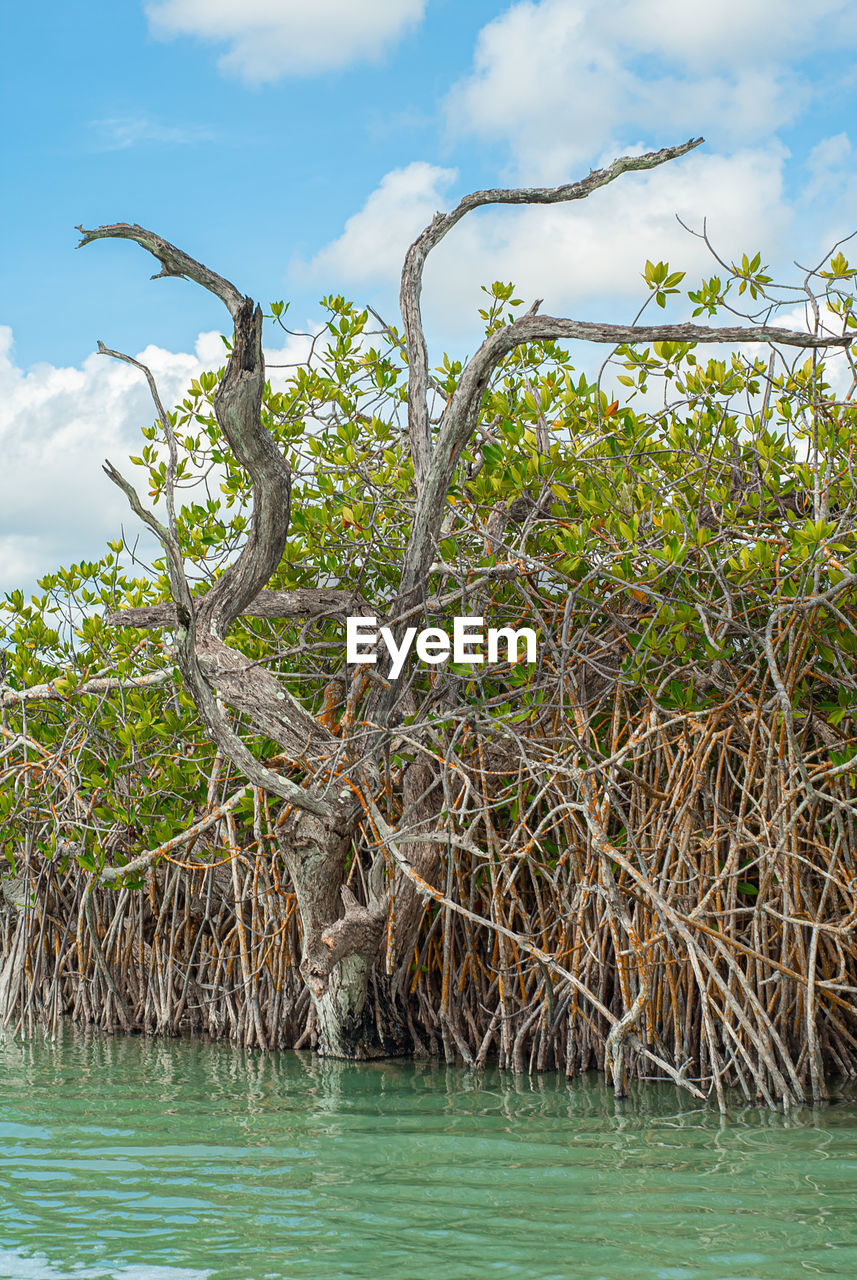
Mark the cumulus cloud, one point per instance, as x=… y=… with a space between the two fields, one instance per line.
x=576 y=256
x=564 y=84
x=373 y=243
x=272 y=38
x=562 y=81
x=57 y=425
x=730 y=32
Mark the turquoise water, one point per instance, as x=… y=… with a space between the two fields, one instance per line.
x=180 y=1160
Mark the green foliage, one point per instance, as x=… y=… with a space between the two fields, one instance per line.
x=676 y=510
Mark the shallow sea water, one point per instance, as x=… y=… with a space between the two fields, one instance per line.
x=135 y=1159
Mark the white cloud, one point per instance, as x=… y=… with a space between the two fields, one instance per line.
x=272 y=38
x=831 y=157
x=373 y=243
x=117 y=133
x=575 y=256
x=57 y=425
x=731 y=32
x=831 y=193
x=561 y=84
x=565 y=80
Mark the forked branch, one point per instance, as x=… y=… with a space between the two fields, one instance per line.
x=462 y=414
x=415 y=259
x=202 y=657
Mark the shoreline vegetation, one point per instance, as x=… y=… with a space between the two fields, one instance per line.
x=634 y=853
x=757 y=998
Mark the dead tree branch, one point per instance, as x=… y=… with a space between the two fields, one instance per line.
x=441 y=224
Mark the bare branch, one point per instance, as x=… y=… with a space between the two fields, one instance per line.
x=303 y=602
x=87 y=688
x=197 y=685
x=198 y=634
x=412 y=272
x=166 y=425
x=238 y=406
x=460 y=419
x=174 y=262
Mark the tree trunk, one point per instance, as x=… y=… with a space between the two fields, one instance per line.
x=360 y=1010
x=340 y=948
x=358 y=1016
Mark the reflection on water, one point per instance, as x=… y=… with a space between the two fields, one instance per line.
x=131 y=1159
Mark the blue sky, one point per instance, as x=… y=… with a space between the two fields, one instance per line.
x=297 y=148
